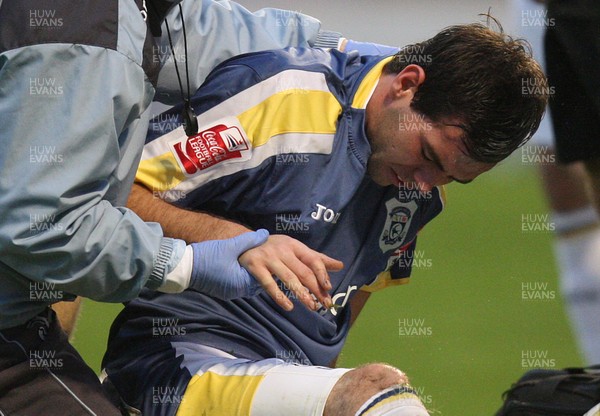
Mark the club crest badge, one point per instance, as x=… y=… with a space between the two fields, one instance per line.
x=224 y=141
x=397 y=223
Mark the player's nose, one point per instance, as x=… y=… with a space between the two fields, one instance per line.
x=429 y=177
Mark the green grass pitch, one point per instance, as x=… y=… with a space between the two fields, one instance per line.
x=482 y=307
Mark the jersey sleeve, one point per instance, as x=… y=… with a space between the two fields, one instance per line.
x=190 y=171
x=248 y=115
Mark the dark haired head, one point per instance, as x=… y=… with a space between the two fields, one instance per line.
x=484 y=78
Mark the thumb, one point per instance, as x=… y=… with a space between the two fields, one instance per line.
x=246 y=241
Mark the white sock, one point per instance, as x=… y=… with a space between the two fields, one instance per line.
x=394 y=401
x=575 y=220
x=577 y=250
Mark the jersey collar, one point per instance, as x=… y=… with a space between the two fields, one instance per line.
x=368 y=84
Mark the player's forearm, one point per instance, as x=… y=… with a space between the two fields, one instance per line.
x=307 y=270
x=180 y=223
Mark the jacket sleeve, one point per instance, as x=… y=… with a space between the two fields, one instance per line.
x=71 y=132
x=219 y=30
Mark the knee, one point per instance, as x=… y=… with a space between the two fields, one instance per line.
x=376 y=376
x=359 y=384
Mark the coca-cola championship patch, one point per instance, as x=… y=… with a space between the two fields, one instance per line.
x=224 y=141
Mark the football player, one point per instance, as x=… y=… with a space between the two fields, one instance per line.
x=344 y=154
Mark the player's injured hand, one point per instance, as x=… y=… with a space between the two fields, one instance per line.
x=301 y=270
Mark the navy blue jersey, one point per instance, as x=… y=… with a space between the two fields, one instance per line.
x=282 y=146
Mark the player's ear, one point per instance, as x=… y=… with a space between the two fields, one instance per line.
x=408 y=80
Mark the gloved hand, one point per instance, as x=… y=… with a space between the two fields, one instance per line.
x=216 y=270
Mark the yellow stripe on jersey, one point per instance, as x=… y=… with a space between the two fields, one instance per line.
x=297 y=111
x=368 y=84
x=384 y=280
x=310 y=112
x=219 y=395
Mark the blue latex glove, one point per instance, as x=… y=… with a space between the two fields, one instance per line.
x=216 y=270
x=367 y=48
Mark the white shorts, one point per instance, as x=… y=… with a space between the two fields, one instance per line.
x=223 y=385
x=595 y=411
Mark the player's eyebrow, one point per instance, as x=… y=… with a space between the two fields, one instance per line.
x=436 y=160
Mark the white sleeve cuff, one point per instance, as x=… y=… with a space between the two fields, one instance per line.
x=179 y=278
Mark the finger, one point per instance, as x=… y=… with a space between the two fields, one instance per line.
x=294 y=287
x=327 y=264
x=309 y=280
x=331 y=264
x=268 y=283
x=318 y=269
x=314 y=260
